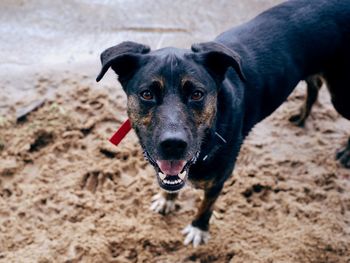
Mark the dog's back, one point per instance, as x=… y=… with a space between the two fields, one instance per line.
x=288 y=43
x=300 y=29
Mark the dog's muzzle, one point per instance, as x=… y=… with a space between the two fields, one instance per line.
x=171 y=175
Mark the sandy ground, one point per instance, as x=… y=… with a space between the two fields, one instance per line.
x=68 y=195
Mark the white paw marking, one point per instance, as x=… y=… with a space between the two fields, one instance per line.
x=195 y=236
x=162 y=205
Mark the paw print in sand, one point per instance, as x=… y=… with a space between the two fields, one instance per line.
x=94 y=180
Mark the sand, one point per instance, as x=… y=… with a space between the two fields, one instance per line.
x=68 y=195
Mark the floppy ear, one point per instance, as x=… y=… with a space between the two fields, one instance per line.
x=217 y=59
x=124 y=59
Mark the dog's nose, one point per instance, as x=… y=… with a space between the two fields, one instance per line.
x=173 y=145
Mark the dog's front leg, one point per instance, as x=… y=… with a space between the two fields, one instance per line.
x=198 y=231
x=163 y=202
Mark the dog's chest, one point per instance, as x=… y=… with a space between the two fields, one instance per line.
x=201 y=183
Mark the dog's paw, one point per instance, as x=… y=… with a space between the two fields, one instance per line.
x=195 y=236
x=298 y=120
x=343 y=156
x=161 y=205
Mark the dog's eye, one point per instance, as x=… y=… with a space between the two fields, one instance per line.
x=197 y=95
x=146 y=95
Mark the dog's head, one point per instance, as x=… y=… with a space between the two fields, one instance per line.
x=172 y=100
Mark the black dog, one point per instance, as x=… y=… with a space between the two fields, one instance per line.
x=191 y=109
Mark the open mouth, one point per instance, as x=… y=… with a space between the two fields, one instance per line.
x=171 y=174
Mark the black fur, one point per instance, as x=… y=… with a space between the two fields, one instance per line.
x=247 y=71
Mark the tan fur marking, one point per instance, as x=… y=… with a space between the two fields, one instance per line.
x=160 y=81
x=205 y=184
x=170 y=196
x=192 y=80
x=146 y=120
x=206 y=205
x=132 y=108
x=207 y=116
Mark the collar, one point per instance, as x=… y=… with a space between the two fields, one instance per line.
x=119 y=135
x=214 y=142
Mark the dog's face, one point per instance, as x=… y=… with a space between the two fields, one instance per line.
x=172 y=99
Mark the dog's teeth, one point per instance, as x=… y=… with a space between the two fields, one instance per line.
x=178 y=181
x=161 y=176
x=182 y=175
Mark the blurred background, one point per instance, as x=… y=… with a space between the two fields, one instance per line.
x=56 y=40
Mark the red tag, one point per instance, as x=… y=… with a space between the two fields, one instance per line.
x=121 y=133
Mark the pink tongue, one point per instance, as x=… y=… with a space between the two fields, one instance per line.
x=171 y=167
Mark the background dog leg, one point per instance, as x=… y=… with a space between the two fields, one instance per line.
x=163 y=202
x=314 y=83
x=343 y=155
x=338 y=85
x=197 y=232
